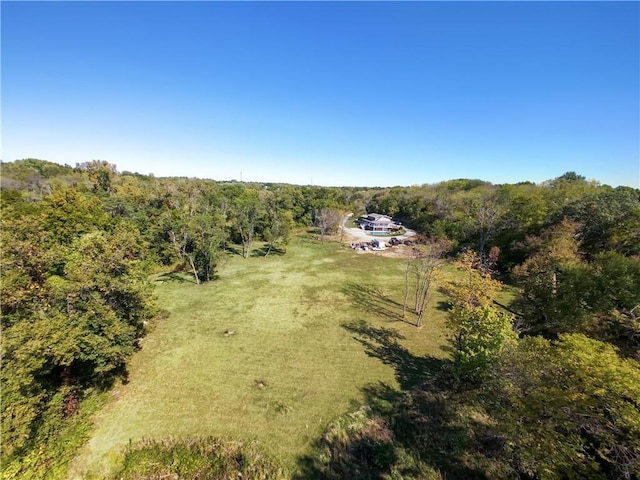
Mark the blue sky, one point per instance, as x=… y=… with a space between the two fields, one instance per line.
x=329 y=93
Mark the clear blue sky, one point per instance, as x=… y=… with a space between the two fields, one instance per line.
x=334 y=93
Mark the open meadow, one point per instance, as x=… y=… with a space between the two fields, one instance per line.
x=271 y=351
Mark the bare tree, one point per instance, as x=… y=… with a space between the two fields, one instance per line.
x=328 y=221
x=485 y=213
x=423 y=263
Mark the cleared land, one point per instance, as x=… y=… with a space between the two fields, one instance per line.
x=271 y=351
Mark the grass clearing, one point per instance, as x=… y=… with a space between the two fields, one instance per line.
x=265 y=353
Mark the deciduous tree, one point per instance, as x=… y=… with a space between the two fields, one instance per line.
x=479 y=331
x=328 y=220
x=196 y=226
x=423 y=264
x=553 y=281
x=74 y=315
x=568 y=409
x=247 y=210
x=278 y=222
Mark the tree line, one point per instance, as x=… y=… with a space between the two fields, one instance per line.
x=569 y=245
x=546 y=387
x=79 y=244
x=554 y=374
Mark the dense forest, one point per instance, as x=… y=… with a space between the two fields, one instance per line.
x=546 y=387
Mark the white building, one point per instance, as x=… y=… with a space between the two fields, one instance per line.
x=377 y=223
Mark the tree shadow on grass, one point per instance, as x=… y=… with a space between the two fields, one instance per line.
x=175 y=277
x=425 y=422
x=444 y=306
x=233 y=249
x=414 y=432
x=372 y=300
x=383 y=343
x=265 y=251
x=183 y=277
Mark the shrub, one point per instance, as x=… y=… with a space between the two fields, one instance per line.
x=198 y=458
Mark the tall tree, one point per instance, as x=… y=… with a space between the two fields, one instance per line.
x=479 y=335
x=73 y=316
x=196 y=226
x=247 y=211
x=278 y=221
x=476 y=287
x=328 y=220
x=479 y=331
x=609 y=219
x=484 y=212
x=553 y=281
x=423 y=264
x=101 y=174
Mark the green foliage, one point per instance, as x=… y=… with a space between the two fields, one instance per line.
x=24 y=170
x=101 y=174
x=525 y=210
x=75 y=300
x=562 y=292
x=278 y=221
x=553 y=281
x=567 y=188
x=478 y=331
x=569 y=409
x=475 y=287
x=479 y=336
x=198 y=458
x=570 y=177
x=247 y=210
x=57 y=441
x=77 y=247
x=616 y=282
x=195 y=221
x=462 y=184
x=609 y=219
x=479 y=215
x=67 y=213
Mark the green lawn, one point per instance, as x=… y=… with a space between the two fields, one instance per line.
x=296 y=361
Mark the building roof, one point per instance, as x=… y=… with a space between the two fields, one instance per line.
x=377 y=216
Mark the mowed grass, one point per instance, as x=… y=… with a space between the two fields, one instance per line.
x=292 y=365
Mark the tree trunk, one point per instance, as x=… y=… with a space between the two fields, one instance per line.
x=406 y=287
x=483 y=243
x=66 y=375
x=195 y=270
x=249 y=242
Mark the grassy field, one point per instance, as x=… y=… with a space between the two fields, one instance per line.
x=271 y=351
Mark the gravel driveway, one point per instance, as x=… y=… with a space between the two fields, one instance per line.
x=363 y=236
